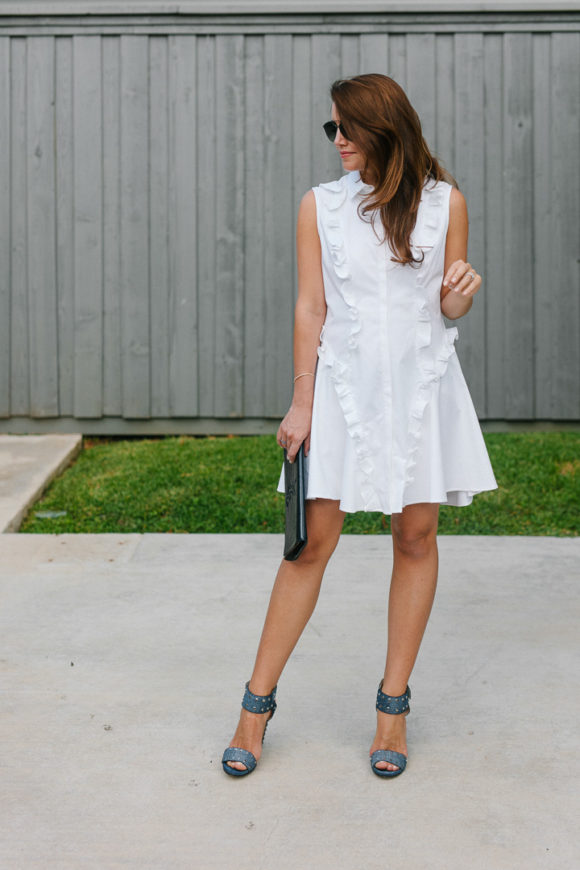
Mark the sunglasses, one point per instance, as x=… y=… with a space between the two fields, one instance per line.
x=331 y=128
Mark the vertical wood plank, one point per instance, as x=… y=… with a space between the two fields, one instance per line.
x=326 y=163
x=183 y=134
x=88 y=243
x=494 y=288
x=230 y=225
x=374 y=53
x=303 y=134
x=20 y=392
x=349 y=55
x=518 y=204
x=444 y=141
x=65 y=222
x=41 y=260
x=112 y=234
x=546 y=290
x=5 y=159
x=565 y=290
x=135 y=298
x=305 y=127
x=207 y=183
x=421 y=80
x=398 y=58
x=470 y=167
x=159 y=226
x=278 y=226
x=254 y=223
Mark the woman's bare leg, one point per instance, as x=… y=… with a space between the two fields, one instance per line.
x=292 y=602
x=413 y=584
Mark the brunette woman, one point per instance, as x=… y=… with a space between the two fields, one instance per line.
x=380 y=400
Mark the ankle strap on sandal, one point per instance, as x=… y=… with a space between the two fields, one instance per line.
x=259 y=703
x=393 y=703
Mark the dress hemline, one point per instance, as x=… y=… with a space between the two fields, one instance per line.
x=464 y=497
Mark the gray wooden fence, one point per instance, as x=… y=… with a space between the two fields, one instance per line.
x=151 y=166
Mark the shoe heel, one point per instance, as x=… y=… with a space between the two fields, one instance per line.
x=394 y=705
x=254 y=704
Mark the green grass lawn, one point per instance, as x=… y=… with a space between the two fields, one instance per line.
x=215 y=484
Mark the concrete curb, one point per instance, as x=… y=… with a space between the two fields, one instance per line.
x=28 y=464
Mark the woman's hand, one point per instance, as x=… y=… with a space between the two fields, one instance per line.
x=462 y=278
x=459 y=286
x=295 y=429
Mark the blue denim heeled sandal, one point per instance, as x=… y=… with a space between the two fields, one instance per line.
x=255 y=704
x=393 y=704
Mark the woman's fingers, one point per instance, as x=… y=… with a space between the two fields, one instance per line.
x=291 y=444
x=283 y=437
x=293 y=430
x=456 y=272
x=292 y=448
x=462 y=278
x=472 y=285
x=291 y=454
x=295 y=447
x=468 y=283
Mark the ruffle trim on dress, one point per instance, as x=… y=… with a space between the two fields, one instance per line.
x=333 y=195
x=432 y=362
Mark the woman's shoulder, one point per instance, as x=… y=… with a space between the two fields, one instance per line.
x=335 y=186
x=307 y=207
x=457 y=209
x=433 y=213
x=437 y=186
x=330 y=195
x=441 y=194
x=437 y=195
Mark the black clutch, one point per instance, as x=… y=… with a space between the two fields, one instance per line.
x=295 y=484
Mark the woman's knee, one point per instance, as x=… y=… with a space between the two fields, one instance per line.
x=414 y=530
x=318 y=549
x=323 y=525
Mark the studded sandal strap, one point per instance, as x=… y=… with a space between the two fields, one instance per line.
x=393 y=703
x=259 y=703
x=391 y=757
x=234 y=753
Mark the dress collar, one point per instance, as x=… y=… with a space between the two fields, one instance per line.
x=356 y=184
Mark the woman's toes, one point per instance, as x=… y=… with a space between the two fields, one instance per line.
x=385 y=765
x=237 y=764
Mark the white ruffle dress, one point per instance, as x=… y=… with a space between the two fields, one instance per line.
x=393 y=422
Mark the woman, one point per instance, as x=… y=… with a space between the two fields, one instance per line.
x=380 y=400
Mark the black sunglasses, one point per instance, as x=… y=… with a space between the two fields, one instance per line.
x=331 y=127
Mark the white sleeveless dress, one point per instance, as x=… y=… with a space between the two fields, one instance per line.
x=393 y=422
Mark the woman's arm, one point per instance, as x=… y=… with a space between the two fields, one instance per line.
x=458 y=289
x=309 y=316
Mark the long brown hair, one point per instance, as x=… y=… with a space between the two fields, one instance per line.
x=380 y=120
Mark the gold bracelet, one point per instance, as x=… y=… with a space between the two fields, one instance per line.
x=303 y=375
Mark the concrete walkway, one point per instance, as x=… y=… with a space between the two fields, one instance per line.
x=123 y=665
